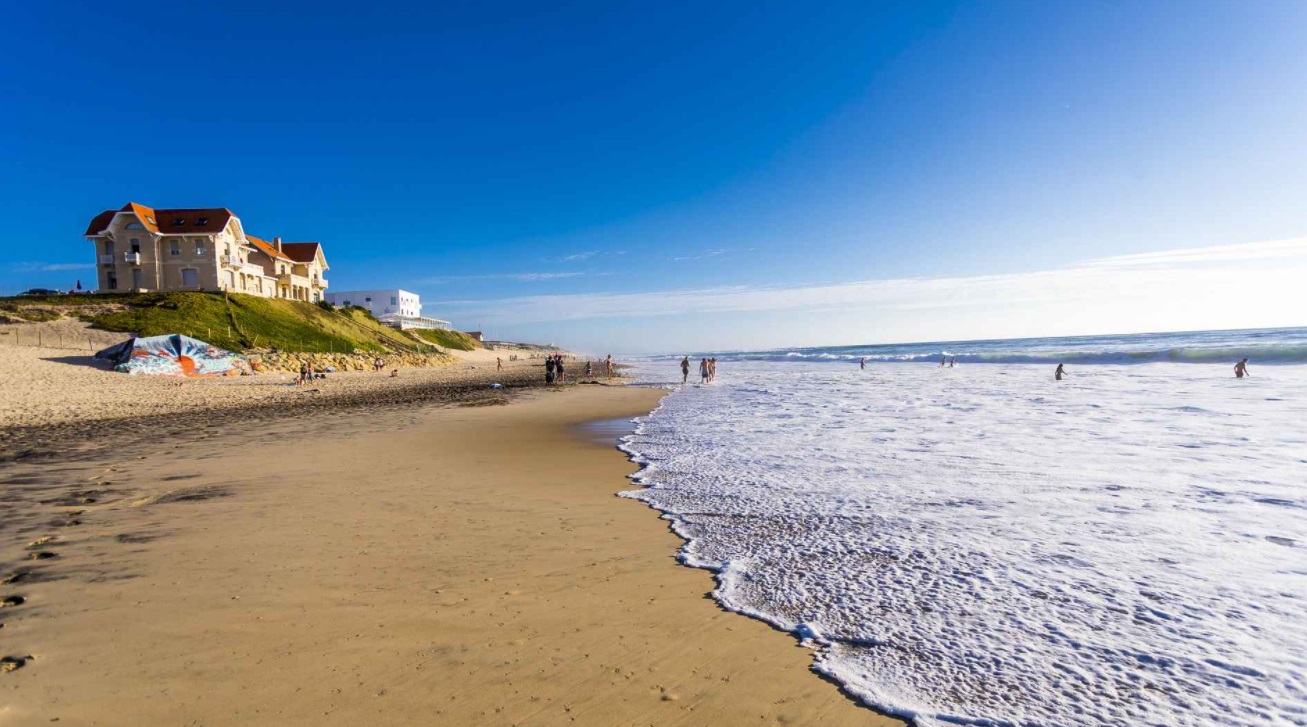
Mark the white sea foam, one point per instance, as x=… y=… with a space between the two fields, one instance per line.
x=985 y=545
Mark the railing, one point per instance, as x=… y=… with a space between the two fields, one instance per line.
x=132 y=257
x=231 y=261
x=106 y=259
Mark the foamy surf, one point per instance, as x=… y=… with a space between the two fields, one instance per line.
x=988 y=546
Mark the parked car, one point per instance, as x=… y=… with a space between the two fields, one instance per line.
x=41 y=292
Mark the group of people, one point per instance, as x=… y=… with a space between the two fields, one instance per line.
x=707 y=369
x=308 y=373
x=556 y=370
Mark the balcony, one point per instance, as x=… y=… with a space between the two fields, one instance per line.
x=106 y=259
x=230 y=261
x=132 y=257
x=320 y=283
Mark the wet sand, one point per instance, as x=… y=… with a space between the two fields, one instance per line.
x=457 y=564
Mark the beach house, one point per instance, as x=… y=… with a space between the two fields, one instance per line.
x=398 y=308
x=140 y=249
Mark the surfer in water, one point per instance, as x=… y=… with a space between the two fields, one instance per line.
x=1060 y=372
x=1241 y=369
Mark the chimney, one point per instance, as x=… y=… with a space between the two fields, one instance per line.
x=276 y=242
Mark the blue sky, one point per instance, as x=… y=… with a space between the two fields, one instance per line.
x=585 y=173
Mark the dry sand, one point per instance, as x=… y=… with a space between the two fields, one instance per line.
x=46 y=385
x=449 y=565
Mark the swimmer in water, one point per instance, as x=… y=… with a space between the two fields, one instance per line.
x=863 y=363
x=1241 y=369
x=1059 y=373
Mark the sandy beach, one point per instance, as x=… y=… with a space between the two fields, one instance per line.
x=461 y=563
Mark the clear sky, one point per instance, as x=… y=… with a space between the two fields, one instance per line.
x=667 y=176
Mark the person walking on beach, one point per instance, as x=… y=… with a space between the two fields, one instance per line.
x=1060 y=372
x=499 y=364
x=1241 y=369
x=549 y=370
x=558 y=366
x=685 y=370
x=608 y=365
x=862 y=363
x=304 y=374
x=703 y=370
x=589 y=367
x=712 y=369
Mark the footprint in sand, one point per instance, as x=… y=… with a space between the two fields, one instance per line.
x=17 y=576
x=11 y=663
x=42 y=555
x=11 y=601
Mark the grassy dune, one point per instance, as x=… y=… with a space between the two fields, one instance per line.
x=448 y=339
x=236 y=322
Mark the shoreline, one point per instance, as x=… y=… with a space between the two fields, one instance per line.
x=468 y=564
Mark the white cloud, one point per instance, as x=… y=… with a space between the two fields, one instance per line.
x=1245 y=252
x=35 y=267
x=1224 y=286
x=580 y=256
x=524 y=277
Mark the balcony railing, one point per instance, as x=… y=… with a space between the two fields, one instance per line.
x=106 y=259
x=132 y=257
x=230 y=261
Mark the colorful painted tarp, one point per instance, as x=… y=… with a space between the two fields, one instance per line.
x=174 y=355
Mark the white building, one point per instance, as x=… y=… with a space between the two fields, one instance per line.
x=398 y=308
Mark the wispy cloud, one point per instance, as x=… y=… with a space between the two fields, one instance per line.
x=1173 y=279
x=706 y=254
x=579 y=257
x=1220 y=253
x=521 y=277
x=36 y=267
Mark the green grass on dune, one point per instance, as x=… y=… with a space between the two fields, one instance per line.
x=447 y=339
x=236 y=322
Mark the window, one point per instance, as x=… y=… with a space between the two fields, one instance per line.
x=174 y=247
x=190 y=278
x=111 y=281
x=108 y=248
x=368 y=300
x=202 y=221
x=133 y=226
x=150 y=220
x=231 y=279
x=393 y=301
x=179 y=221
x=199 y=248
x=136 y=277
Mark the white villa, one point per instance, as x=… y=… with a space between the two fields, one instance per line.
x=140 y=249
x=398 y=308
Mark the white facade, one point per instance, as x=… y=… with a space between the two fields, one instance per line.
x=380 y=302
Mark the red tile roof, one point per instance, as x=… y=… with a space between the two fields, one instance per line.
x=266 y=248
x=168 y=222
x=302 y=252
x=99 y=223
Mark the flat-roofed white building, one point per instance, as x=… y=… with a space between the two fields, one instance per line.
x=394 y=307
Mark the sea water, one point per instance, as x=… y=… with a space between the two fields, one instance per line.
x=986 y=545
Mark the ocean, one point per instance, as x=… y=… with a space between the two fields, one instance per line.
x=984 y=545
